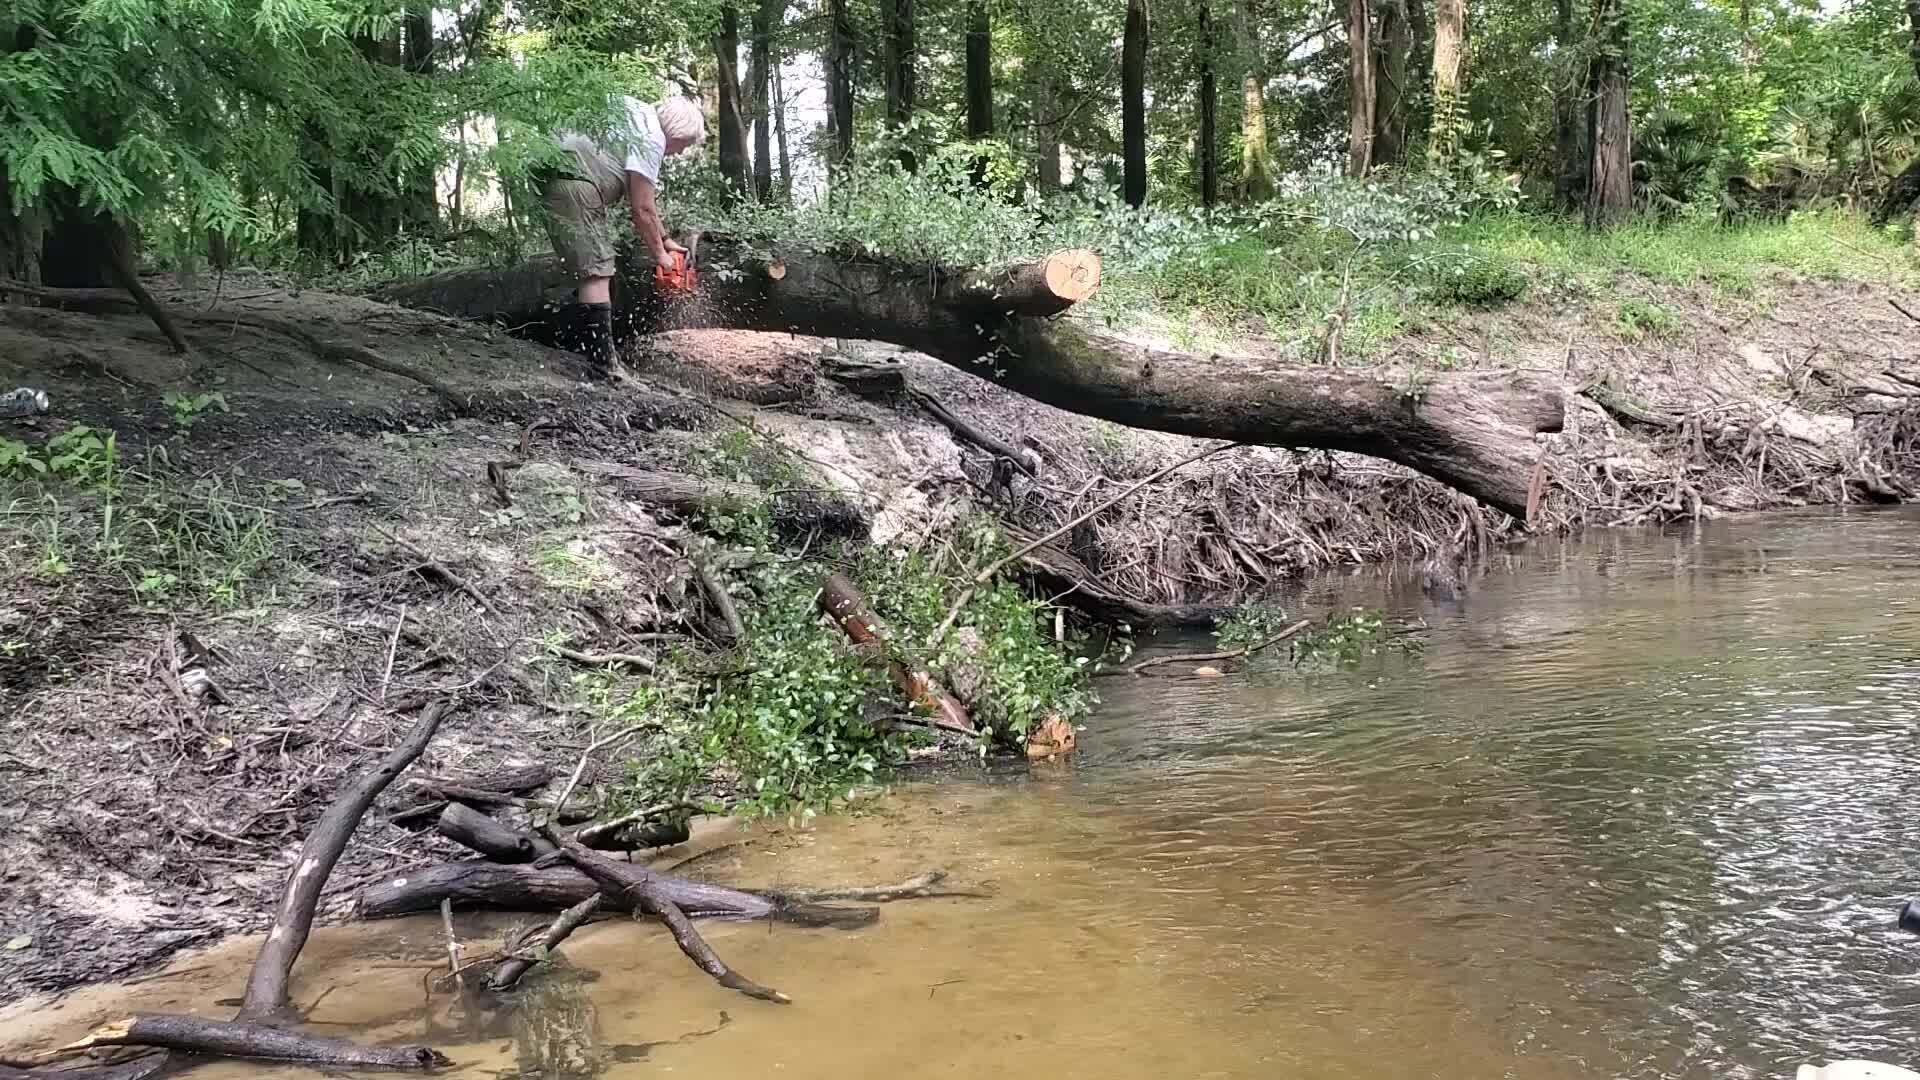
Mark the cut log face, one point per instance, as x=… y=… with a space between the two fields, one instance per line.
x=1473 y=431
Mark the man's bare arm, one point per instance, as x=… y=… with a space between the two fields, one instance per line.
x=646 y=218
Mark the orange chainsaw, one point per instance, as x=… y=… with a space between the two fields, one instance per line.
x=677 y=274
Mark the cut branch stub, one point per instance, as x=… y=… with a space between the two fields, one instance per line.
x=841 y=598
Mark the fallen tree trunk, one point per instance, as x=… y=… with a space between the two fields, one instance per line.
x=502 y=843
x=1471 y=430
x=438 y=791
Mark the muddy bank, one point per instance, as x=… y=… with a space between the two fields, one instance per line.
x=445 y=521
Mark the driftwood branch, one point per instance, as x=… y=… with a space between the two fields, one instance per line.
x=266 y=995
x=650 y=897
x=464 y=825
x=243 y=1039
x=428 y=562
x=507 y=974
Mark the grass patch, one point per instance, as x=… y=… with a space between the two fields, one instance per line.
x=69 y=510
x=1638 y=318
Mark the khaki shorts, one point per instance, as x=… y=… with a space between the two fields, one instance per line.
x=578 y=205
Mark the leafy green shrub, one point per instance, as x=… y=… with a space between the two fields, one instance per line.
x=1645 y=318
x=1478 y=281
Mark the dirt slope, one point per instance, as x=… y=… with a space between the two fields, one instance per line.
x=139 y=820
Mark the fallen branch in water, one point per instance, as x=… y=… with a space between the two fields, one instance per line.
x=651 y=898
x=508 y=973
x=1228 y=654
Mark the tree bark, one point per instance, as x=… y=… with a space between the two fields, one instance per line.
x=780 y=129
x=1133 y=104
x=899 y=61
x=1208 y=147
x=733 y=133
x=1046 y=128
x=1449 y=49
x=759 y=76
x=1390 y=97
x=1471 y=430
x=1360 y=88
x=1913 y=32
x=980 y=70
x=420 y=206
x=840 y=82
x=1610 y=139
x=1256 y=157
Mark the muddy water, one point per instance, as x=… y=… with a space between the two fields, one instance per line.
x=1644 y=807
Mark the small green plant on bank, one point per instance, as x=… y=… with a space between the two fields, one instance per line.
x=187 y=409
x=71 y=509
x=1646 y=318
x=1477 y=281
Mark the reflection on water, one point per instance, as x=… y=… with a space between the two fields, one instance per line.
x=1644 y=807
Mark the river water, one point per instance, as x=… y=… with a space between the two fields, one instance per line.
x=1643 y=806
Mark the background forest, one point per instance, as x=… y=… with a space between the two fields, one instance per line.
x=1235 y=155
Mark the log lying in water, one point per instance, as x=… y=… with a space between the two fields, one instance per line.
x=1470 y=430
x=526 y=887
x=245 y=1039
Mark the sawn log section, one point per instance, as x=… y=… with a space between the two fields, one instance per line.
x=1471 y=430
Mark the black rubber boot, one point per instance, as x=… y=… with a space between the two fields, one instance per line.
x=587 y=329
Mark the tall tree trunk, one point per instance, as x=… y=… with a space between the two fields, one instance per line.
x=1610 y=164
x=1360 y=88
x=840 y=82
x=765 y=13
x=1209 y=139
x=899 y=68
x=1913 y=30
x=980 y=70
x=780 y=130
x=1046 y=131
x=1256 y=158
x=1569 y=113
x=1133 y=104
x=1449 y=49
x=1390 y=98
x=421 y=206
x=733 y=132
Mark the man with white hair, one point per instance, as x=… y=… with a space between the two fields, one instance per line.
x=597 y=177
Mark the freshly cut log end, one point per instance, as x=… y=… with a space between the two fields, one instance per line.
x=1048 y=287
x=777 y=270
x=1072 y=274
